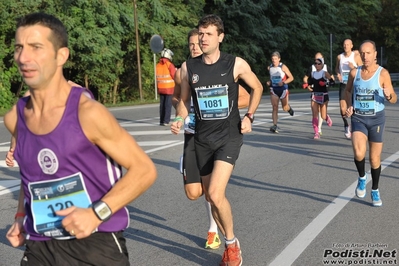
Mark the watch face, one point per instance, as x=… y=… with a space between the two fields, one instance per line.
x=103 y=211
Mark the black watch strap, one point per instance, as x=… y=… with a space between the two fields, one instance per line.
x=102 y=211
x=250 y=117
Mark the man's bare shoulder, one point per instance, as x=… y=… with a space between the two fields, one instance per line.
x=384 y=73
x=10 y=118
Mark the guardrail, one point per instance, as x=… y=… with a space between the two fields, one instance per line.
x=394 y=76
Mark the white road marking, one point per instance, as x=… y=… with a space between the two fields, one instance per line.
x=303 y=240
x=8 y=186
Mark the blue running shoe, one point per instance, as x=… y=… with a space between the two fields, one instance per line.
x=361 y=186
x=375 y=197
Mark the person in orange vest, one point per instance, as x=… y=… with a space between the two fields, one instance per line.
x=165 y=71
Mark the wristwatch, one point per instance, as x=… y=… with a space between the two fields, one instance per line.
x=102 y=211
x=250 y=116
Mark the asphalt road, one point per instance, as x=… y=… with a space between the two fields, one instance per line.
x=292 y=197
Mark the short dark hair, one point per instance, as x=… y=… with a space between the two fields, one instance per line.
x=191 y=33
x=275 y=53
x=59 y=35
x=214 y=20
x=369 y=41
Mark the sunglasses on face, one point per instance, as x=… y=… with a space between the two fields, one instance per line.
x=317 y=63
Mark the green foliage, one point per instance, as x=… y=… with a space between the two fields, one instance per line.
x=7 y=99
x=103 y=42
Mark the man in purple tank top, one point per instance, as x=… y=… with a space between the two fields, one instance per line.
x=70 y=150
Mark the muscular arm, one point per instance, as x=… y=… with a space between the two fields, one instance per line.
x=386 y=84
x=243 y=71
x=337 y=69
x=243 y=97
x=15 y=233
x=287 y=72
x=358 y=58
x=183 y=106
x=176 y=92
x=348 y=92
x=102 y=129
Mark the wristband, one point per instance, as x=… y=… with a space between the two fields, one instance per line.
x=250 y=117
x=19 y=214
x=178 y=118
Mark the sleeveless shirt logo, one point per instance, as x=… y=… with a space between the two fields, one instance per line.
x=60 y=188
x=48 y=161
x=195 y=78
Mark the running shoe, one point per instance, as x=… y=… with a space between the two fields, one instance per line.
x=316 y=136
x=213 y=241
x=375 y=197
x=291 y=111
x=320 y=133
x=274 y=129
x=329 y=121
x=232 y=255
x=361 y=186
x=348 y=133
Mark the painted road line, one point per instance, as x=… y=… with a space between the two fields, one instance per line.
x=8 y=186
x=152 y=132
x=302 y=241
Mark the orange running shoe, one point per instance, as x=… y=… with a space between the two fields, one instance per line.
x=232 y=255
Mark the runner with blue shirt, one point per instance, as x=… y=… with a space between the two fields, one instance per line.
x=280 y=76
x=368 y=87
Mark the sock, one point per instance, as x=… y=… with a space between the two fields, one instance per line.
x=315 y=126
x=375 y=175
x=360 y=165
x=229 y=242
x=345 y=121
x=212 y=224
x=320 y=121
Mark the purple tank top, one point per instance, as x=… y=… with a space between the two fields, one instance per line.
x=62 y=169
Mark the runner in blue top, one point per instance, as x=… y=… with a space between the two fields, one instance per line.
x=280 y=76
x=367 y=90
x=70 y=151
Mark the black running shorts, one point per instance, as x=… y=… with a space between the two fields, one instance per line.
x=208 y=152
x=100 y=249
x=190 y=167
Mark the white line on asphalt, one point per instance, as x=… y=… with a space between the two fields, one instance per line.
x=9 y=186
x=154 y=132
x=302 y=241
x=3 y=149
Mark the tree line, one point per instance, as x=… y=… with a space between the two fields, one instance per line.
x=103 y=43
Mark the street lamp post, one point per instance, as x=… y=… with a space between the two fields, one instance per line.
x=156 y=44
x=138 y=49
